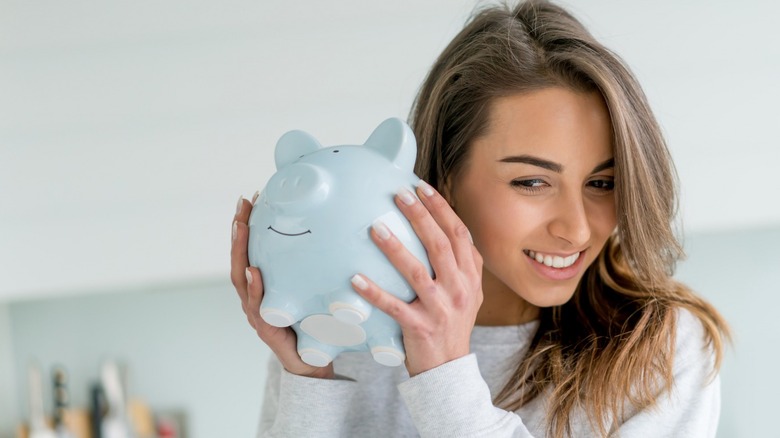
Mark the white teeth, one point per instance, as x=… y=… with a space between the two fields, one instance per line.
x=553 y=261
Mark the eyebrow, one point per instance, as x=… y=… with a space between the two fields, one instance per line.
x=550 y=165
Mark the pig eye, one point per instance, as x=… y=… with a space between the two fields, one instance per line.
x=335 y=151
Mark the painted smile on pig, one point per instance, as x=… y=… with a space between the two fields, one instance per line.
x=286 y=234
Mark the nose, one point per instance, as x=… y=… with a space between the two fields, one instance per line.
x=297 y=187
x=570 y=221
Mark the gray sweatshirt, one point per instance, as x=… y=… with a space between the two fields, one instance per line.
x=455 y=399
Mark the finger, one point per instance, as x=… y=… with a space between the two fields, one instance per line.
x=239 y=260
x=443 y=214
x=434 y=239
x=415 y=273
x=243 y=210
x=477 y=259
x=394 y=307
x=254 y=292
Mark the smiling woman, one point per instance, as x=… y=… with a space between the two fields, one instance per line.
x=546 y=203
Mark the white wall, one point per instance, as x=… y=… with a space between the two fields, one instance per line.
x=126 y=124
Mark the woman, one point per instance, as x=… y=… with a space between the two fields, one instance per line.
x=561 y=319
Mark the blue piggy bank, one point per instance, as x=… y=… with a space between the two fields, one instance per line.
x=309 y=234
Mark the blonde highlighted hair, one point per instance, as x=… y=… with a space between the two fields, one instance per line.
x=619 y=326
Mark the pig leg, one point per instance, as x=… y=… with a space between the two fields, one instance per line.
x=387 y=348
x=278 y=310
x=315 y=353
x=348 y=306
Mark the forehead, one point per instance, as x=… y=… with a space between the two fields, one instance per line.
x=553 y=123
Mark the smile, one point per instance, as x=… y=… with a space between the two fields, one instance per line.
x=286 y=234
x=552 y=261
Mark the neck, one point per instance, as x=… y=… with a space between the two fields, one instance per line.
x=502 y=305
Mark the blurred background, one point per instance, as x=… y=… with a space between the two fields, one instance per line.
x=128 y=130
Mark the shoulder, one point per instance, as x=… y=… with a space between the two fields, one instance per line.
x=695 y=366
x=692 y=344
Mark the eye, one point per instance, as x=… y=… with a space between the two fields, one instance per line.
x=335 y=151
x=605 y=185
x=529 y=185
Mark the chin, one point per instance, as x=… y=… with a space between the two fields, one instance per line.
x=551 y=298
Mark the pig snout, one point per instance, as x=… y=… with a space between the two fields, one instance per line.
x=297 y=187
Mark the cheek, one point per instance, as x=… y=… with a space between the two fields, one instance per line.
x=502 y=222
x=603 y=218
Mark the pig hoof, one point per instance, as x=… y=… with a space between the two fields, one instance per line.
x=388 y=356
x=277 y=318
x=348 y=313
x=315 y=358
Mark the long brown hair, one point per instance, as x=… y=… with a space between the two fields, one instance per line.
x=619 y=326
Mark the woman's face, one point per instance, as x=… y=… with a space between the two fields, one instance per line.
x=537 y=195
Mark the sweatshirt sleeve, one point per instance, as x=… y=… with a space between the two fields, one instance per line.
x=453 y=400
x=296 y=406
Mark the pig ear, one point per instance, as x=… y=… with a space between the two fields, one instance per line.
x=292 y=145
x=395 y=140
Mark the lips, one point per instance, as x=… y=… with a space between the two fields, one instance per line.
x=570 y=265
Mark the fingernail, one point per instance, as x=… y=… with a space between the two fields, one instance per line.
x=248 y=276
x=254 y=197
x=406 y=196
x=381 y=229
x=235 y=229
x=425 y=187
x=359 y=282
x=239 y=205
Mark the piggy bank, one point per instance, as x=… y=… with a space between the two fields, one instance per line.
x=309 y=234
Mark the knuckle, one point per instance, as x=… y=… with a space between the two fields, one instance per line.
x=461 y=231
x=420 y=275
x=393 y=308
x=460 y=300
x=442 y=245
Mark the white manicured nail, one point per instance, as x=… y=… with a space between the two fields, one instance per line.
x=381 y=229
x=425 y=187
x=254 y=197
x=359 y=282
x=406 y=196
x=239 y=205
x=248 y=276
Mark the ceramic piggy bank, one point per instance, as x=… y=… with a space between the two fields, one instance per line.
x=309 y=234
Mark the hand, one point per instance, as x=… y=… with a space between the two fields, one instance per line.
x=248 y=282
x=437 y=325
